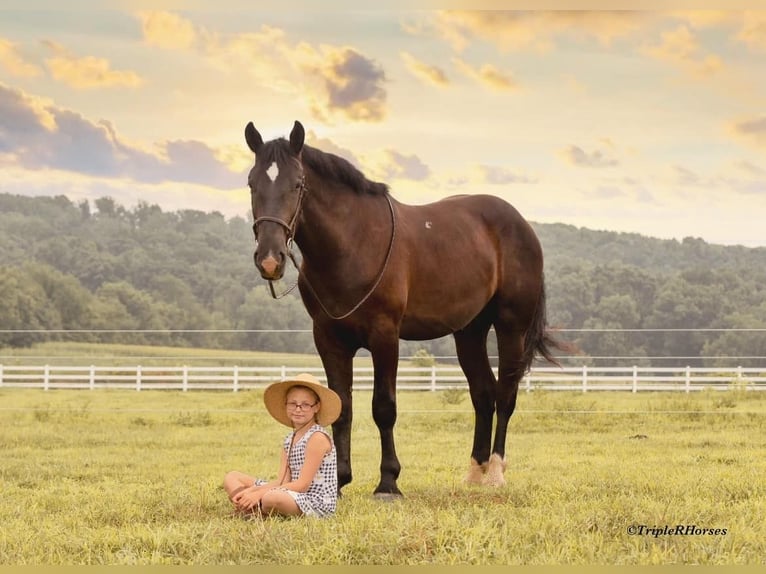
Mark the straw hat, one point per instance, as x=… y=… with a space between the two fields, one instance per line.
x=274 y=397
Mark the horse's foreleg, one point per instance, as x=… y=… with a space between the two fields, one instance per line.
x=337 y=358
x=385 y=358
x=471 y=347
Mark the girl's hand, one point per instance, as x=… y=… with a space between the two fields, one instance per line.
x=247 y=499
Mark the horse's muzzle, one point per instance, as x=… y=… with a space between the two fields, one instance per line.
x=271 y=268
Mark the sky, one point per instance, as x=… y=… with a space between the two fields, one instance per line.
x=650 y=122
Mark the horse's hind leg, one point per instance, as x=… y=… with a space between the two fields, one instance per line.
x=510 y=344
x=471 y=347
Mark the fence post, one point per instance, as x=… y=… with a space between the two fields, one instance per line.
x=185 y=381
x=528 y=382
x=236 y=378
x=46 y=377
x=284 y=372
x=92 y=377
x=585 y=378
x=138 y=378
x=433 y=377
x=635 y=379
x=688 y=378
x=1 y=374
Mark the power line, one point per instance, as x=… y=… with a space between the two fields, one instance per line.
x=564 y=330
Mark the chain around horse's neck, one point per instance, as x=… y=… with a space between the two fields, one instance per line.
x=369 y=292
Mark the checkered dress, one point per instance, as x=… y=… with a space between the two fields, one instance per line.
x=321 y=497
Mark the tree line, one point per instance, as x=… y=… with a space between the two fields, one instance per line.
x=147 y=276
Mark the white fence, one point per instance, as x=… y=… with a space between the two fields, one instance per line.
x=185 y=378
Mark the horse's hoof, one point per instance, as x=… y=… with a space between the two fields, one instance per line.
x=387 y=496
x=495 y=469
x=475 y=473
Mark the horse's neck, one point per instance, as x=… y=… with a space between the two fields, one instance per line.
x=335 y=228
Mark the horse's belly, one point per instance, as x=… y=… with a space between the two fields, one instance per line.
x=421 y=331
x=439 y=320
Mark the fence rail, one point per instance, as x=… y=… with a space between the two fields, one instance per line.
x=236 y=378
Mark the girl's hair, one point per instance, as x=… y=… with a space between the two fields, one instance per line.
x=316 y=396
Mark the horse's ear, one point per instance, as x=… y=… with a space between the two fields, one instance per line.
x=253 y=138
x=297 y=136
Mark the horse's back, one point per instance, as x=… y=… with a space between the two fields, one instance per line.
x=472 y=214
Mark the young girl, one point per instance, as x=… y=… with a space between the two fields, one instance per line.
x=307 y=482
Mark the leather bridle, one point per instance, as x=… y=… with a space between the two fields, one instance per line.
x=290 y=229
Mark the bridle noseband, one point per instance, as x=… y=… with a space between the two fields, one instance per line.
x=290 y=229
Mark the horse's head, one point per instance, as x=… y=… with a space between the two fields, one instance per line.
x=276 y=190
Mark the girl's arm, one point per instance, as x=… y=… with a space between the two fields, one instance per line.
x=251 y=496
x=317 y=447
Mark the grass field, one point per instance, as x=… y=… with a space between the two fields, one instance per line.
x=125 y=477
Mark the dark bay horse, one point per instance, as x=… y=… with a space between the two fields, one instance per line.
x=376 y=270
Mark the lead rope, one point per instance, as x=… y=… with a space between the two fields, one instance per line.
x=369 y=292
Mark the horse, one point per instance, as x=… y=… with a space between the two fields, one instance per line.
x=375 y=270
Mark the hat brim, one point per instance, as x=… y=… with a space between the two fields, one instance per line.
x=274 y=397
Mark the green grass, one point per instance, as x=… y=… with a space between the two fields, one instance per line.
x=125 y=477
x=67 y=353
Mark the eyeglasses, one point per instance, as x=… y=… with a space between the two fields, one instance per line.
x=302 y=406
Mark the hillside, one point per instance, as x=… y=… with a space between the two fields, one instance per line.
x=77 y=267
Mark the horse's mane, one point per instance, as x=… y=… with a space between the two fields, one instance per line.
x=327 y=165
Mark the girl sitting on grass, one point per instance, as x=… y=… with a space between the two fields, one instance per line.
x=307 y=482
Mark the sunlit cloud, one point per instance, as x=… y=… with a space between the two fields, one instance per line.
x=681 y=48
x=350 y=84
x=750 y=130
x=487 y=75
x=753 y=31
x=14 y=63
x=334 y=81
x=533 y=30
x=167 y=30
x=429 y=74
x=496 y=175
x=87 y=72
x=389 y=164
x=575 y=155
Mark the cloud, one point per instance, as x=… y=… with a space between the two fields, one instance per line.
x=428 y=74
x=750 y=168
x=88 y=72
x=575 y=155
x=394 y=165
x=12 y=61
x=487 y=75
x=751 y=130
x=753 y=31
x=351 y=84
x=37 y=135
x=680 y=47
x=723 y=183
x=334 y=81
x=495 y=175
x=167 y=30
x=535 y=30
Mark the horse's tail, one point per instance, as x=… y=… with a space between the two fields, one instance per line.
x=539 y=339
